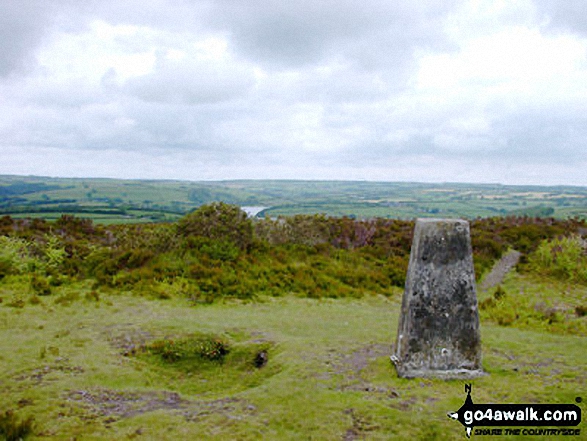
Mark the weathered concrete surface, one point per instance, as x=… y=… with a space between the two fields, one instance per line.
x=438 y=334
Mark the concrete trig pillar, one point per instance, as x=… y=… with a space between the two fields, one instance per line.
x=438 y=333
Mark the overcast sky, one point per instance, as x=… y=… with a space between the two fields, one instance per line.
x=427 y=91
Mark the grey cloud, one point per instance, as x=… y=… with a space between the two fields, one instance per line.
x=176 y=16
x=538 y=136
x=341 y=84
x=569 y=15
x=22 y=26
x=190 y=81
x=549 y=136
x=373 y=35
x=75 y=94
x=306 y=32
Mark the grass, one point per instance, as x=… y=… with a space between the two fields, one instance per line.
x=529 y=302
x=79 y=368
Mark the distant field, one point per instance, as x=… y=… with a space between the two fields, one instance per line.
x=120 y=201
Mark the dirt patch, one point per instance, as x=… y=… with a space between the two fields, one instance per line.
x=37 y=376
x=405 y=404
x=351 y=366
x=115 y=405
x=353 y=363
x=109 y=403
x=232 y=408
x=501 y=268
x=127 y=340
x=360 y=426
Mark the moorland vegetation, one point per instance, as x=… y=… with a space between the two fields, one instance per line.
x=127 y=328
x=218 y=252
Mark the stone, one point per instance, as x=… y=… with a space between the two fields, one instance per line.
x=438 y=333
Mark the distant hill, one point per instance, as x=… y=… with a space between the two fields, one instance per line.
x=117 y=201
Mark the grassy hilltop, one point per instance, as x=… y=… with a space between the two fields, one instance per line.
x=218 y=326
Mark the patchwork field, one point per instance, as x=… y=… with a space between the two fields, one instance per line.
x=120 y=201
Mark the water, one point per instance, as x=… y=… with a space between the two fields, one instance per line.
x=253 y=211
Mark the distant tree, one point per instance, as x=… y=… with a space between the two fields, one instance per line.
x=218 y=221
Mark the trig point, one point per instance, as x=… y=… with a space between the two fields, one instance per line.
x=438 y=333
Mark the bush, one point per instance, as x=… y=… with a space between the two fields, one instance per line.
x=562 y=258
x=40 y=285
x=222 y=250
x=15 y=256
x=54 y=254
x=208 y=348
x=134 y=258
x=12 y=428
x=213 y=349
x=218 y=221
x=499 y=293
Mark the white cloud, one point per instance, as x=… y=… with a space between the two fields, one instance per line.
x=222 y=88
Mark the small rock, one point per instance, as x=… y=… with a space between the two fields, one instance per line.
x=261 y=359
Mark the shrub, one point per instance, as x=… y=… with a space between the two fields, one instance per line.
x=218 y=221
x=93 y=295
x=397 y=270
x=5 y=268
x=15 y=256
x=16 y=302
x=222 y=250
x=134 y=258
x=40 y=285
x=167 y=350
x=213 y=349
x=157 y=238
x=101 y=264
x=488 y=303
x=208 y=348
x=499 y=293
x=54 y=254
x=67 y=299
x=12 y=428
x=563 y=258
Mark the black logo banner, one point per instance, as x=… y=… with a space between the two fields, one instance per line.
x=471 y=415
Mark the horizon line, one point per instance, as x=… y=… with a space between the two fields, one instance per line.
x=290 y=180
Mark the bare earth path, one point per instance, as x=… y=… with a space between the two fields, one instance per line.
x=500 y=269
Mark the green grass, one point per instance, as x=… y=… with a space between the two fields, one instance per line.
x=530 y=302
x=79 y=369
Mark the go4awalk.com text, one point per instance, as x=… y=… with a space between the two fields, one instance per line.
x=537 y=419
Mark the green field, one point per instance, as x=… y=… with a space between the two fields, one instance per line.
x=117 y=201
x=328 y=375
